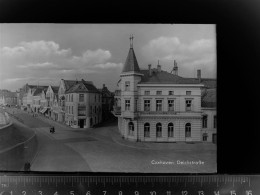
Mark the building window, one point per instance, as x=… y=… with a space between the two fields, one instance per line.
x=146 y=130
x=158 y=105
x=215 y=121
x=170 y=105
x=188 y=105
x=127 y=104
x=131 y=128
x=204 y=121
x=158 y=92
x=82 y=110
x=170 y=130
x=188 y=130
x=188 y=92
x=81 y=97
x=170 y=92
x=127 y=86
x=158 y=130
x=205 y=137
x=147 y=93
x=146 y=105
x=72 y=97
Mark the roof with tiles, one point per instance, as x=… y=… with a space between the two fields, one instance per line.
x=131 y=63
x=83 y=87
x=70 y=83
x=164 y=77
x=38 y=91
x=209 y=83
x=208 y=99
x=55 y=89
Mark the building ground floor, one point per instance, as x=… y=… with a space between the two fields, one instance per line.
x=163 y=129
x=82 y=121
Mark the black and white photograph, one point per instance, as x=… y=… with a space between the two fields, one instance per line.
x=120 y=98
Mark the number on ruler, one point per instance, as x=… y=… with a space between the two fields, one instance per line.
x=249 y=192
x=233 y=192
x=153 y=193
x=40 y=192
x=136 y=193
x=216 y=193
x=56 y=193
x=120 y=193
x=88 y=193
x=71 y=192
x=24 y=192
x=201 y=192
x=105 y=192
x=184 y=192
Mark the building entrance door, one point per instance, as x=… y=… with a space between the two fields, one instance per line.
x=81 y=123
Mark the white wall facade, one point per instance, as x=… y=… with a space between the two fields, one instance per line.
x=210 y=130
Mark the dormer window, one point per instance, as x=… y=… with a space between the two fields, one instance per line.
x=127 y=86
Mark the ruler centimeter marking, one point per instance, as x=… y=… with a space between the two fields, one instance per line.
x=213 y=183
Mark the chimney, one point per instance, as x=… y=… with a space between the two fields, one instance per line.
x=158 y=67
x=150 y=70
x=199 y=75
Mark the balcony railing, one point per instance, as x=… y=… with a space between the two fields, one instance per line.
x=116 y=110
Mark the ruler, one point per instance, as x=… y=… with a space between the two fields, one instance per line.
x=129 y=185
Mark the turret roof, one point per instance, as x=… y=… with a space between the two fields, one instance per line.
x=131 y=63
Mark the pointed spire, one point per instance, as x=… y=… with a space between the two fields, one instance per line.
x=131 y=40
x=131 y=63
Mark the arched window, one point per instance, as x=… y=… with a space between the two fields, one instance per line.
x=131 y=128
x=170 y=130
x=158 y=130
x=188 y=130
x=146 y=130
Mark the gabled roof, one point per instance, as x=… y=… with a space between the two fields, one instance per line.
x=131 y=63
x=69 y=84
x=105 y=92
x=38 y=91
x=208 y=98
x=83 y=87
x=164 y=77
x=55 y=89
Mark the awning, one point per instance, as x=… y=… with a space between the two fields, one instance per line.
x=44 y=110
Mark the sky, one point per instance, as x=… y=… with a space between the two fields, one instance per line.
x=45 y=53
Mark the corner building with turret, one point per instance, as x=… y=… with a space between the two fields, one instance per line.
x=154 y=105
